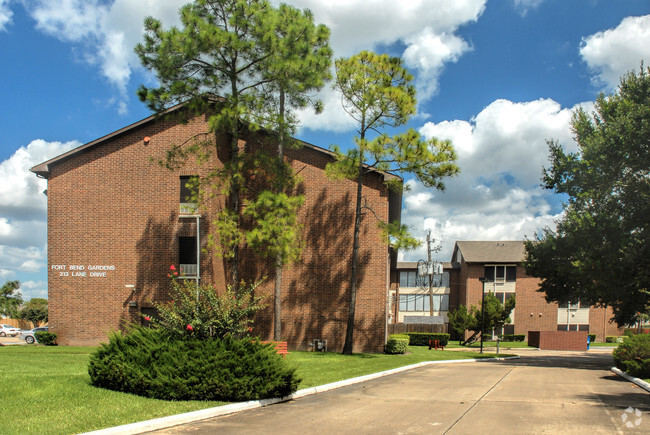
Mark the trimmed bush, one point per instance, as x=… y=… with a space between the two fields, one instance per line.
x=611 y=339
x=513 y=337
x=154 y=363
x=422 y=338
x=633 y=356
x=592 y=338
x=396 y=346
x=404 y=336
x=45 y=337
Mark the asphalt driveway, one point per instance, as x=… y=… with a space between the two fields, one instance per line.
x=542 y=392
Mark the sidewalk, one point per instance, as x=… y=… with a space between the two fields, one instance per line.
x=9 y=341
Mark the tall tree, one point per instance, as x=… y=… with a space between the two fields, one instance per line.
x=35 y=311
x=218 y=62
x=376 y=92
x=600 y=251
x=496 y=315
x=300 y=65
x=10 y=299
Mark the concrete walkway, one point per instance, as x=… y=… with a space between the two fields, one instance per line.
x=542 y=392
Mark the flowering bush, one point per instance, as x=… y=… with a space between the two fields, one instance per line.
x=200 y=312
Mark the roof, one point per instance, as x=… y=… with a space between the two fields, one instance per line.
x=414 y=265
x=43 y=169
x=491 y=251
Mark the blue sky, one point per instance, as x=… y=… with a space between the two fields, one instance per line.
x=496 y=77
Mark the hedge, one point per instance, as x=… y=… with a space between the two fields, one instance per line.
x=396 y=346
x=151 y=363
x=45 y=337
x=513 y=337
x=592 y=338
x=422 y=338
x=611 y=339
x=633 y=356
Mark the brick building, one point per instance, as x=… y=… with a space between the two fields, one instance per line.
x=117 y=221
x=496 y=267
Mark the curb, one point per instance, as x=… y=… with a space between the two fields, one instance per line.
x=204 y=414
x=641 y=383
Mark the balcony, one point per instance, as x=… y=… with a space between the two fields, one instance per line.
x=189 y=270
x=189 y=209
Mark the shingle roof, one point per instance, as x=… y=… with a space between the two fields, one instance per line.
x=492 y=252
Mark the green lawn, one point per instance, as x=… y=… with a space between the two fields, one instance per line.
x=502 y=344
x=46 y=390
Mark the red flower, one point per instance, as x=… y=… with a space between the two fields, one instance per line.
x=171 y=302
x=147 y=318
x=172 y=267
x=175 y=273
x=189 y=328
x=250 y=329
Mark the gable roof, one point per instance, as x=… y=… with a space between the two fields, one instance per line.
x=491 y=251
x=43 y=169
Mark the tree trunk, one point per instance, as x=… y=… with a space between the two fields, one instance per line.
x=349 y=335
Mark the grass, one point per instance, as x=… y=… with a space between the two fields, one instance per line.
x=502 y=345
x=46 y=390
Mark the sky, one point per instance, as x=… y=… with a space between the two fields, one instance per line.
x=497 y=77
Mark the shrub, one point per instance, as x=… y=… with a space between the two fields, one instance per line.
x=156 y=363
x=611 y=339
x=396 y=346
x=592 y=338
x=45 y=337
x=405 y=336
x=513 y=337
x=633 y=356
x=203 y=313
x=422 y=338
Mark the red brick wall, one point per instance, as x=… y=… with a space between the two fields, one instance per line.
x=600 y=323
x=558 y=340
x=110 y=205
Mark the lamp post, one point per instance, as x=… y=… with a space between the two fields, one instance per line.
x=483 y=280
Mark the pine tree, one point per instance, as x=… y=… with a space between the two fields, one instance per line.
x=377 y=93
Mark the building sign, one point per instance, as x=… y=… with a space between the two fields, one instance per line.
x=83 y=271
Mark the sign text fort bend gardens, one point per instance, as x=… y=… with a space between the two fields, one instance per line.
x=78 y=270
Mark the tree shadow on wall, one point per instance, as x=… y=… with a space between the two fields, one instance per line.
x=319 y=297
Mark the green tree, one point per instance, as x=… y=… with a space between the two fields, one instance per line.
x=300 y=64
x=10 y=299
x=376 y=92
x=600 y=251
x=35 y=311
x=496 y=315
x=216 y=63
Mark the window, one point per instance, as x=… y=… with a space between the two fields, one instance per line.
x=441 y=280
x=407 y=278
x=503 y=296
x=187 y=256
x=422 y=303
x=570 y=305
x=188 y=205
x=573 y=327
x=500 y=273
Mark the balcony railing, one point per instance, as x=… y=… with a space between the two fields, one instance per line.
x=188 y=208
x=189 y=270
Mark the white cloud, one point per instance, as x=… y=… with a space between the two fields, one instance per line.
x=108 y=32
x=523 y=6
x=614 y=52
x=33 y=289
x=5 y=14
x=498 y=195
x=23 y=228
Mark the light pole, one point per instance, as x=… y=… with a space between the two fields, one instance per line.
x=428 y=268
x=483 y=280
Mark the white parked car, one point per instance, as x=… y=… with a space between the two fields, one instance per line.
x=29 y=336
x=8 y=330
